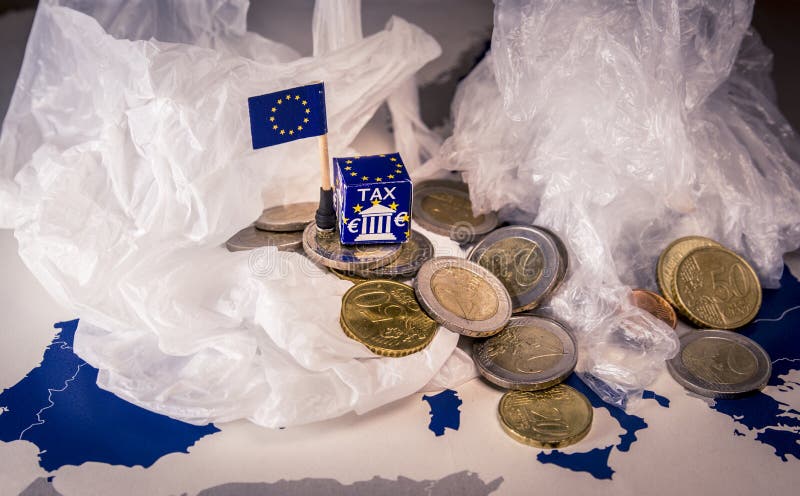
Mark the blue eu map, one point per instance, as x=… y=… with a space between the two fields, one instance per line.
x=58 y=407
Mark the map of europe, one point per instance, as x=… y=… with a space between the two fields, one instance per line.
x=58 y=406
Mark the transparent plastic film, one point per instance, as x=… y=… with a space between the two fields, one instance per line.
x=623 y=126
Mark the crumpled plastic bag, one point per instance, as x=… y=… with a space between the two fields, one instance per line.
x=622 y=126
x=337 y=24
x=127 y=163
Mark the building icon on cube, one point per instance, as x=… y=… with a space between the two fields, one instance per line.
x=373 y=199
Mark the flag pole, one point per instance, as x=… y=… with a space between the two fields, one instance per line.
x=325 y=168
x=326 y=216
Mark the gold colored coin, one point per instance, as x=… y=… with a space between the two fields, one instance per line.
x=385 y=317
x=551 y=418
x=716 y=288
x=671 y=257
x=655 y=305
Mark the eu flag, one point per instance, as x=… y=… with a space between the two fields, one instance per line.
x=287 y=115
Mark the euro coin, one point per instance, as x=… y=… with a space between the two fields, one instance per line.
x=325 y=249
x=563 y=254
x=716 y=288
x=444 y=207
x=385 y=317
x=251 y=238
x=655 y=305
x=463 y=296
x=283 y=218
x=720 y=364
x=551 y=418
x=526 y=259
x=671 y=257
x=530 y=354
x=414 y=252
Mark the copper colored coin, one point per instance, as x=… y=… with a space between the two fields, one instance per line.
x=655 y=305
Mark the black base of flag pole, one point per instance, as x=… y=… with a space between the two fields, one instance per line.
x=326 y=216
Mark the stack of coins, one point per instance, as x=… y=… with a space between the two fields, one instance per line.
x=719 y=291
x=281 y=227
x=531 y=262
x=512 y=269
x=413 y=253
x=325 y=249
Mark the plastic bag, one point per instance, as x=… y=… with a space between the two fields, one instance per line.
x=127 y=163
x=337 y=24
x=623 y=126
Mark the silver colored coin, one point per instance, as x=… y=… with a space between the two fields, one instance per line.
x=444 y=207
x=415 y=252
x=325 y=249
x=292 y=217
x=562 y=253
x=462 y=296
x=526 y=259
x=720 y=364
x=251 y=238
x=529 y=354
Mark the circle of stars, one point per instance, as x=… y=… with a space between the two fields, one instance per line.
x=286 y=100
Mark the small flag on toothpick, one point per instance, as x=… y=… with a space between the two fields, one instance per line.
x=287 y=115
x=293 y=114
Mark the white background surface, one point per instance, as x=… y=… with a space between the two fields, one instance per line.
x=687 y=448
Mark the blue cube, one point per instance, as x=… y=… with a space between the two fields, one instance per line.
x=373 y=199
